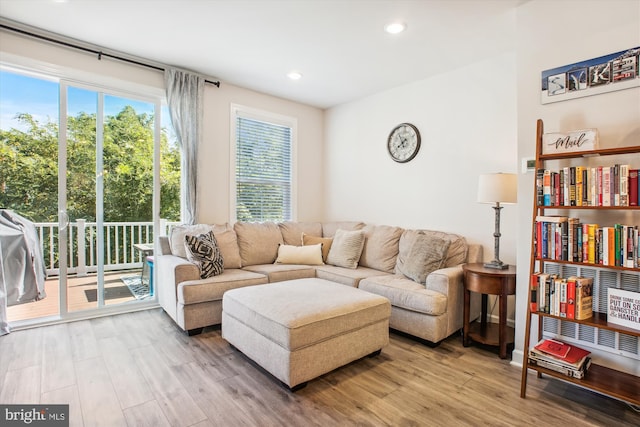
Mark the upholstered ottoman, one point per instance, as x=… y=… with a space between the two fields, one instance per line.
x=300 y=329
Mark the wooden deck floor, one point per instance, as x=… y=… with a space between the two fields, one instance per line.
x=81 y=295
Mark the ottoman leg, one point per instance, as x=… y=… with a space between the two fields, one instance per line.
x=296 y=387
x=195 y=331
x=375 y=353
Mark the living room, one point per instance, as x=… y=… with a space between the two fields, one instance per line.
x=477 y=117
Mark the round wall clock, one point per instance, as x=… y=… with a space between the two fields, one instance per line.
x=404 y=142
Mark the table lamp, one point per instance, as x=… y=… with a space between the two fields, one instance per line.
x=497 y=188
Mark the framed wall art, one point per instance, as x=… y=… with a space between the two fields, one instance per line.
x=616 y=71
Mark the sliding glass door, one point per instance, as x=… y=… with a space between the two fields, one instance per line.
x=93 y=192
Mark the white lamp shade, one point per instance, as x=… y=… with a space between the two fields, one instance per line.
x=498 y=187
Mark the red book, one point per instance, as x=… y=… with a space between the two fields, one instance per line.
x=633 y=187
x=534 y=293
x=571 y=299
x=554 y=348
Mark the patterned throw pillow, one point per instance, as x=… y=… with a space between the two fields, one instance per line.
x=203 y=251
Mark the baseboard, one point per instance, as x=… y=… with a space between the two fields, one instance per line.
x=517 y=356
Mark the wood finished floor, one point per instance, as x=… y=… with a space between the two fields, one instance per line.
x=139 y=369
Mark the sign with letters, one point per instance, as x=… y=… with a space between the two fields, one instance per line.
x=570 y=142
x=616 y=71
x=623 y=308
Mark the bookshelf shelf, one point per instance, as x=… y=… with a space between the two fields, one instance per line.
x=599 y=320
x=611 y=382
x=591 y=208
x=587 y=264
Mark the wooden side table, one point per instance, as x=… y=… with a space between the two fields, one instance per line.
x=488 y=281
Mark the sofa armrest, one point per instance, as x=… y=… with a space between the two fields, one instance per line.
x=450 y=282
x=171 y=271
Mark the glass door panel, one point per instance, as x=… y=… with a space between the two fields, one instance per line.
x=29 y=175
x=80 y=203
x=128 y=160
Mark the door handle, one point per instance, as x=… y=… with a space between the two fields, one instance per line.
x=63 y=220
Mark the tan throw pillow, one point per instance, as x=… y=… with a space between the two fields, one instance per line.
x=309 y=255
x=313 y=240
x=346 y=248
x=427 y=254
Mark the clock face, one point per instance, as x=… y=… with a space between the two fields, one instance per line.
x=404 y=142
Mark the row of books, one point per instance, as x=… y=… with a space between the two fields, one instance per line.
x=561 y=357
x=588 y=186
x=570 y=297
x=562 y=238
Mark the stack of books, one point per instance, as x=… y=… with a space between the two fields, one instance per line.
x=560 y=357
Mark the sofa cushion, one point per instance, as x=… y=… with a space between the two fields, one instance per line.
x=406 y=293
x=258 y=242
x=203 y=251
x=427 y=254
x=329 y=228
x=380 y=247
x=309 y=255
x=346 y=276
x=212 y=288
x=456 y=254
x=292 y=231
x=313 y=240
x=282 y=272
x=346 y=248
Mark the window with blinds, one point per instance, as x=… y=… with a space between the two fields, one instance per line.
x=263 y=177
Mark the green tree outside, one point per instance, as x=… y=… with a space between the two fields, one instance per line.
x=29 y=169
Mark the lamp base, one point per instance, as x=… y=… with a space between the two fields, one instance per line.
x=496 y=264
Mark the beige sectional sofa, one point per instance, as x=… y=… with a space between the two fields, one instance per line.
x=391 y=264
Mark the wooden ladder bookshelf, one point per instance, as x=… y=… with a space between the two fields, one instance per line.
x=599 y=378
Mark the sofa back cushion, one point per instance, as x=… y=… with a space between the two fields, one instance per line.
x=224 y=234
x=292 y=231
x=456 y=253
x=346 y=248
x=228 y=244
x=329 y=228
x=258 y=242
x=381 y=247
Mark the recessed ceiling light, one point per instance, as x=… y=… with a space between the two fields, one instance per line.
x=395 y=27
x=294 y=75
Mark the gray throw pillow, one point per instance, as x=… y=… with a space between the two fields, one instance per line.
x=203 y=251
x=427 y=254
x=346 y=248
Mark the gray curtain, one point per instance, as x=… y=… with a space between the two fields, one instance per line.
x=185 y=93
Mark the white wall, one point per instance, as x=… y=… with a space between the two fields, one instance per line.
x=467 y=120
x=570 y=34
x=214 y=161
x=214 y=155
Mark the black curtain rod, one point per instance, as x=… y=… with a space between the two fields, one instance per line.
x=99 y=53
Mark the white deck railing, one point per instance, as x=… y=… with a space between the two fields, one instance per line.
x=82 y=239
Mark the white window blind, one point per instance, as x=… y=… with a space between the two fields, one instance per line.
x=263 y=170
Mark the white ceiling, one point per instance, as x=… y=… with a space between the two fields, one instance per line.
x=338 y=45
